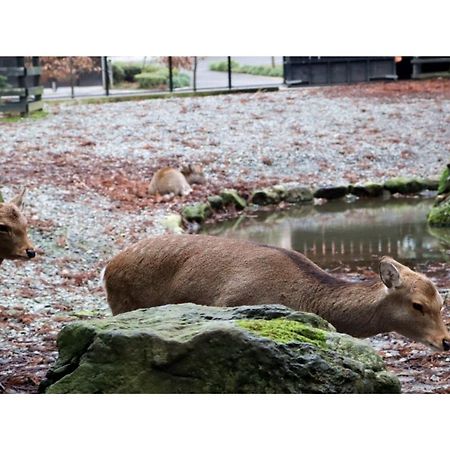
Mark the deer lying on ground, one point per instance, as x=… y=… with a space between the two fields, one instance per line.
x=14 y=241
x=223 y=272
x=169 y=181
x=193 y=174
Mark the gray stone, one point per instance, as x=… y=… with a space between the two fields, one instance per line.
x=367 y=190
x=190 y=348
x=331 y=192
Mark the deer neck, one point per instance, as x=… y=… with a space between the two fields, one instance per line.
x=357 y=309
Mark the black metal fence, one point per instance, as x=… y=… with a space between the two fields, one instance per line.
x=20 y=88
x=122 y=76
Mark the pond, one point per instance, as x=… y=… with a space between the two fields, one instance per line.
x=342 y=237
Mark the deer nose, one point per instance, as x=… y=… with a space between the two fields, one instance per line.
x=446 y=344
x=30 y=253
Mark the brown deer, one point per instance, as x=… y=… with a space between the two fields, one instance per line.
x=169 y=181
x=223 y=272
x=14 y=241
x=194 y=174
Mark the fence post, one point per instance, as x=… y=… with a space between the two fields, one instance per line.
x=195 y=74
x=106 y=74
x=72 y=90
x=22 y=83
x=229 y=72
x=170 y=74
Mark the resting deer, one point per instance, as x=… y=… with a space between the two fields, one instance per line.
x=169 y=181
x=223 y=272
x=193 y=174
x=14 y=241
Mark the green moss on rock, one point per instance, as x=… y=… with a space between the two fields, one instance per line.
x=215 y=201
x=439 y=215
x=197 y=213
x=231 y=197
x=367 y=190
x=444 y=181
x=403 y=186
x=284 y=331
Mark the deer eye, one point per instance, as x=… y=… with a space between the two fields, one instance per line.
x=4 y=228
x=418 y=307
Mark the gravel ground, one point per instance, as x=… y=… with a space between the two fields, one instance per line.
x=86 y=168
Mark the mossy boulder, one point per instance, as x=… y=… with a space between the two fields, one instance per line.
x=290 y=193
x=298 y=194
x=1 y=197
x=197 y=213
x=266 y=196
x=190 y=348
x=215 y=201
x=231 y=197
x=429 y=184
x=444 y=181
x=367 y=190
x=331 y=192
x=400 y=185
x=439 y=215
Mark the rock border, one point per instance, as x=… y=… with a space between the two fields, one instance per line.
x=233 y=203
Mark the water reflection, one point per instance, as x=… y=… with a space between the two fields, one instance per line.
x=354 y=235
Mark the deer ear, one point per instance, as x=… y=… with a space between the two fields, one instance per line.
x=18 y=199
x=389 y=274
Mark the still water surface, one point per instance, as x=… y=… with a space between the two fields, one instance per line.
x=349 y=235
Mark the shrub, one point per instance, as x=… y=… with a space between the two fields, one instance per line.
x=158 y=76
x=222 y=66
x=118 y=73
x=125 y=71
x=149 y=80
x=267 y=71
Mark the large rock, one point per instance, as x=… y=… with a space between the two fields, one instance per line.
x=197 y=349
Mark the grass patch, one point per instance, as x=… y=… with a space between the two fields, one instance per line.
x=36 y=115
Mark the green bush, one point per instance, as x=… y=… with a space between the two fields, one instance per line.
x=149 y=80
x=125 y=71
x=267 y=71
x=222 y=66
x=118 y=73
x=159 y=77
